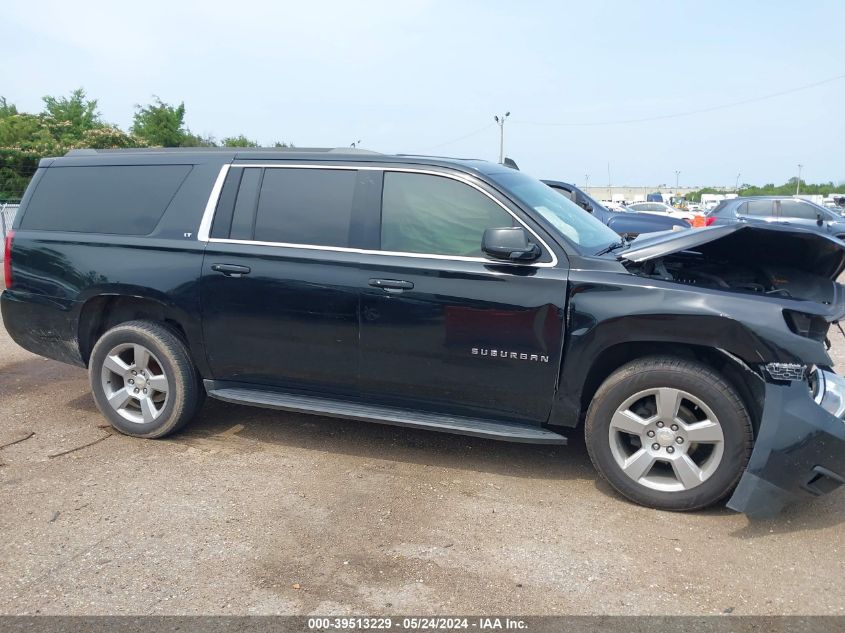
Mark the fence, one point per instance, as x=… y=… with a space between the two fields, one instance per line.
x=7 y=216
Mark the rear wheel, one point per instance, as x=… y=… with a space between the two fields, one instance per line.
x=143 y=379
x=669 y=433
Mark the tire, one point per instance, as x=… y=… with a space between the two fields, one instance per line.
x=685 y=461
x=143 y=379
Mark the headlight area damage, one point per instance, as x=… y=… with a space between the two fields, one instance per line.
x=799 y=449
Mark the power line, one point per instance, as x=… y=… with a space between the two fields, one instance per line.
x=690 y=112
x=460 y=138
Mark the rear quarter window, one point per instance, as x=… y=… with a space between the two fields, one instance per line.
x=111 y=199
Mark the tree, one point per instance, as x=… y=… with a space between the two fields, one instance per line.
x=74 y=115
x=6 y=109
x=161 y=124
x=65 y=124
x=107 y=137
x=771 y=189
x=73 y=122
x=195 y=140
x=238 y=141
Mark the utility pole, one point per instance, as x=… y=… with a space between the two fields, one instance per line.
x=501 y=122
x=798 y=184
x=677 y=173
x=586 y=181
x=609 y=186
x=736 y=186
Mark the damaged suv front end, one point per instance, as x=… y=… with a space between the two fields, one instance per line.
x=799 y=448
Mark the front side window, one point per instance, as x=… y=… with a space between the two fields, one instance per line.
x=305 y=206
x=797 y=209
x=436 y=215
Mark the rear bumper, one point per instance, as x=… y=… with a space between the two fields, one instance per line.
x=42 y=325
x=799 y=453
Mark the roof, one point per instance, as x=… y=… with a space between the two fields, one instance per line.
x=344 y=154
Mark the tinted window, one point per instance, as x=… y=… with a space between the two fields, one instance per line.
x=123 y=200
x=719 y=208
x=797 y=209
x=245 y=202
x=436 y=215
x=306 y=206
x=758 y=208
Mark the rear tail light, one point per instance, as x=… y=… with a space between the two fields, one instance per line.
x=7 y=260
x=709 y=221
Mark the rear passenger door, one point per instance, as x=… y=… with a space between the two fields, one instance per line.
x=446 y=329
x=756 y=212
x=280 y=283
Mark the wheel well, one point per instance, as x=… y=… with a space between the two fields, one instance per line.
x=745 y=380
x=103 y=313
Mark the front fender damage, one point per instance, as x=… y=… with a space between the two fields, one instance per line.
x=799 y=453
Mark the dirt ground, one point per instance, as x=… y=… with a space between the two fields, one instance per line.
x=251 y=511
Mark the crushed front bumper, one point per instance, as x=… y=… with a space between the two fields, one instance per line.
x=799 y=451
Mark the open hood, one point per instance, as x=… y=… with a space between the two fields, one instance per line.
x=798 y=249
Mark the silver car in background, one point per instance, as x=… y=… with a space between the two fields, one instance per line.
x=781 y=210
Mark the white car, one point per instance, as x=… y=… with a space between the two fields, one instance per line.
x=661 y=208
x=615 y=207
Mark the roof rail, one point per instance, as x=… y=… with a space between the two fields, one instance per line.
x=296 y=150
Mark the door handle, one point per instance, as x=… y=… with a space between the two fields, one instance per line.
x=231 y=270
x=392 y=285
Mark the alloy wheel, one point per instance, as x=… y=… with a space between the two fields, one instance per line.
x=666 y=439
x=134 y=383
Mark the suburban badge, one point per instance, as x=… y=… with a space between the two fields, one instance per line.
x=503 y=353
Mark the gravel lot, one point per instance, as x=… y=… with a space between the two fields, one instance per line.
x=253 y=511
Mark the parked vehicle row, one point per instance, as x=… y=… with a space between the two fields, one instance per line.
x=625 y=223
x=661 y=208
x=453 y=295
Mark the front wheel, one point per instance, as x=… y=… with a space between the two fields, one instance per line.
x=143 y=379
x=669 y=433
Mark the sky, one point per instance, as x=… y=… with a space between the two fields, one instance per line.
x=427 y=76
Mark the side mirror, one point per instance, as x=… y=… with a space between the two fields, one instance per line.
x=586 y=206
x=819 y=219
x=509 y=244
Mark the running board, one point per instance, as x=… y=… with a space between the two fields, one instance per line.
x=507 y=431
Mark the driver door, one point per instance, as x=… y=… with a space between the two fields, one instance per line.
x=442 y=327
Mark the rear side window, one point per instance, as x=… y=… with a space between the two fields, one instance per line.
x=244 y=213
x=719 y=208
x=436 y=215
x=757 y=208
x=119 y=200
x=306 y=206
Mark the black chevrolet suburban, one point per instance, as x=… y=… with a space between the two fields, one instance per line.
x=436 y=293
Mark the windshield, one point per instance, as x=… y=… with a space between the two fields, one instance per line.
x=570 y=220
